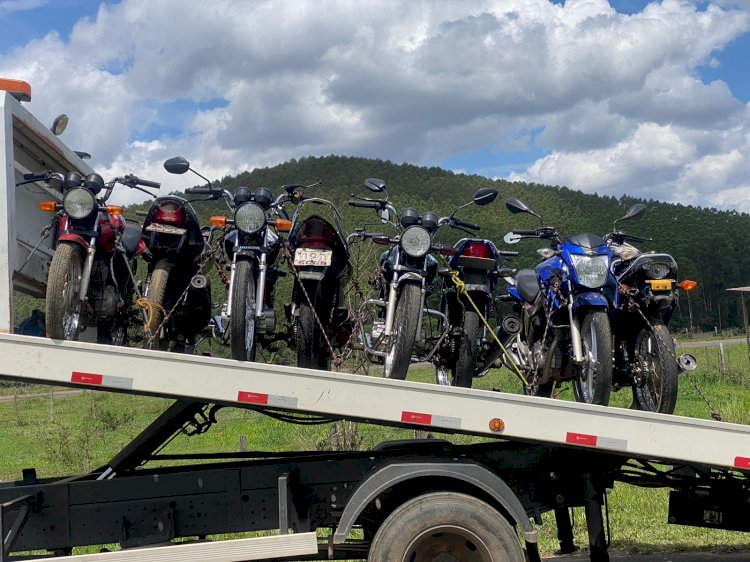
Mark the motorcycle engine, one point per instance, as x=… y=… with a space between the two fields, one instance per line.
x=104 y=300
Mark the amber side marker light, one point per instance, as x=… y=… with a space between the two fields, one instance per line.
x=115 y=209
x=218 y=221
x=687 y=285
x=283 y=225
x=496 y=424
x=17 y=88
x=49 y=206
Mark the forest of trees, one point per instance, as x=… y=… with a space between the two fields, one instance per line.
x=703 y=241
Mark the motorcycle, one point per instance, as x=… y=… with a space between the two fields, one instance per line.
x=318 y=320
x=253 y=248
x=177 y=294
x=406 y=271
x=645 y=357
x=561 y=312
x=91 y=276
x=477 y=262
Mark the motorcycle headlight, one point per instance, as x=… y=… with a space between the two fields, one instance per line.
x=250 y=218
x=591 y=270
x=416 y=241
x=79 y=203
x=657 y=270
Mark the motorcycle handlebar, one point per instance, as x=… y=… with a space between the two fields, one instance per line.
x=365 y=204
x=148 y=183
x=201 y=191
x=466 y=224
x=507 y=253
x=526 y=232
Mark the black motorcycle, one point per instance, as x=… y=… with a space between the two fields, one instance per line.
x=645 y=356
x=177 y=293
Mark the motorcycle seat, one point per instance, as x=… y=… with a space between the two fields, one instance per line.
x=527 y=284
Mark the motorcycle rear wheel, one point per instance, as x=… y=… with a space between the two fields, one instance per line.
x=63 y=306
x=463 y=370
x=654 y=351
x=155 y=291
x=242 y=332
x=404 y=332
x=594 y=383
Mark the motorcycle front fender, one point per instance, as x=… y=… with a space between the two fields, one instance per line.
x=409 y=276
x=590 y=300
x=82 y=241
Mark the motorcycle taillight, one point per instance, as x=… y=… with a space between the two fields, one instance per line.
x=477 y=250
x=170 y=213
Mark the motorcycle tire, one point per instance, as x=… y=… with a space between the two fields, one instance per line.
x=654 y=350
x=63 y=307
x=594 y=384
x=404 y=332
x=154 y=294
x=242 y=334
x=468 y=348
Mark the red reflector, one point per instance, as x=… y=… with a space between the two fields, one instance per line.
x=170 y=213
x=252 y=398
x=415 y=417
x=742 y=462
x=86 y=378
x=477 y=250
x=581 y=439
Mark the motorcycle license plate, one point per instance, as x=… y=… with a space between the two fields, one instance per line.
x=166 y=228
x=660 y=284
x=308 y=256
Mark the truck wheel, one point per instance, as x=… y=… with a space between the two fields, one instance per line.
x=154 y=294
x=242 y=316
x=404 y=331
x=445 y=526
x=463 y=371
x=62 y=305
x=655 y=356
x=594 y=383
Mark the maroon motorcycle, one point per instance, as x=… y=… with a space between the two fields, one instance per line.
x=91 y=277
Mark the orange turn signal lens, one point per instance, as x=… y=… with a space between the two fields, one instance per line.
x=218 y=221
x=687 y=285
x=496 y=424
x=115 y=209
x=49 y=206
x=283 y=225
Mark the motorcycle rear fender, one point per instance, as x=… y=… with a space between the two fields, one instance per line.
x=73 y=237
x=590 y=300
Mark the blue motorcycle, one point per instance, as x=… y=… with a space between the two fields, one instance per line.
x=561 y=313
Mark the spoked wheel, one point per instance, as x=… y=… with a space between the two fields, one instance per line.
x=242 y=316
x=404 y=332
x=594 y=383
x=445 y=527
x=63 y=305
x=655 y=380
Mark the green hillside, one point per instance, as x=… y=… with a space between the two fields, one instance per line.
x=704 y=241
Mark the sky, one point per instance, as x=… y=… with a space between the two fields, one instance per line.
x=627 y=97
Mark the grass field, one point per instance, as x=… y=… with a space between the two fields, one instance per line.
x=67 y=435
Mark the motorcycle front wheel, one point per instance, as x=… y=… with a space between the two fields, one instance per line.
x=242 y=333
x=594 y=383
x=655 y=358
x=404 y=332
x=63 y=305
x=154 y=294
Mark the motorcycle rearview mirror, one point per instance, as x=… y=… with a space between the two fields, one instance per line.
x=374 y=184
x=511 y=238
x=177 y=165
x=385 y=216
x=59 y=125
x=485 y=196
x=634 y=212
x=516 y=206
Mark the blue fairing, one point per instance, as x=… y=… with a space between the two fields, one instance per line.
x=513 y=291
x=590 y=300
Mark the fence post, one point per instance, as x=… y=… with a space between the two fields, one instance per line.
x=722 y=367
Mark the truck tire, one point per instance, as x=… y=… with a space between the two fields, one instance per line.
x=594 y=385
x=404 y=332
x=463 y=371
x=445 y=524
x=62 y=305
x=242 y=334
x=155 y=291
x=654 y=353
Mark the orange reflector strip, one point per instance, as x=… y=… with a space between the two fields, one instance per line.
x=115 y=209
x=687 y=285
x=218 y=221
x=49 y=206
x=283 y=225
x=17 y=88
x=496 y=424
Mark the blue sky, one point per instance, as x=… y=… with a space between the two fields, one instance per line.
x=626 y=97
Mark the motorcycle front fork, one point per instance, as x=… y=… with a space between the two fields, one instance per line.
x=88 y=264
x=260 y=286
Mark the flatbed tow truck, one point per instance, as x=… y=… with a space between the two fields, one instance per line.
x=421 y=500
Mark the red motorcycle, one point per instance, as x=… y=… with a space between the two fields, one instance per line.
x=91 y=277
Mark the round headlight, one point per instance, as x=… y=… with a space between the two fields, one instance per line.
x=416 y=241
x=250 y=218
x=657 y=270
x=79 y=203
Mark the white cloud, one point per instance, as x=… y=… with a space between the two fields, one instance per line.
x=617 y=97
x=8 y=7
